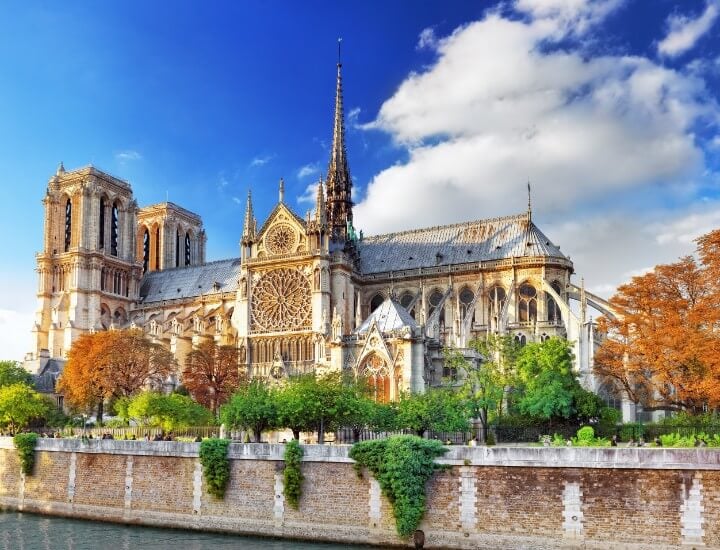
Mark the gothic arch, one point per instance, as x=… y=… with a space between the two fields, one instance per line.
x=527 y=297
x=376 y=301
x=376 y=371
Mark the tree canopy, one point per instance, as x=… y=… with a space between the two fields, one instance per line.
x=212 y=373
x=115 y=363
x=170 y=412
x=19 y=404
x=663 y=346
x=11 y=372
x=437 y=409
x=253 y=407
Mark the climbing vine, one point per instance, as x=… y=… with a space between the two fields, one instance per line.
x=402 y=465
x=25 y=445
x=292 y=476
x=216 y=466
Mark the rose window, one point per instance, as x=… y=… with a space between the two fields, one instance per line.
x=281 y=301
x=280 y=239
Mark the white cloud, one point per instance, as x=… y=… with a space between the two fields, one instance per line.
x=261 y=160
x=352 y=117
x=426 y=39
x=608 y=249
x=684 y=31
x=308 y=170
x=581 y=127
x=568 y=16
x=126 y=156
x=309 y=195
x=15 y=334
x=237 y=200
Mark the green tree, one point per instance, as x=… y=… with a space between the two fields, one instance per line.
x=19 y=404
x=170 y=412
x=548 y=384
x=484 y=380
x=354 y=408
x=11 y=373
x=291 y=402
x=253 y=407
x=384 y=417
x=437 y=409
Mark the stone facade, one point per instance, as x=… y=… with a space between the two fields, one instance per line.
x=486 y=498
x=306 y=293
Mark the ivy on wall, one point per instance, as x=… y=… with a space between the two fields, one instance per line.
x=25 y=445
x=216 y=466
x=292 y=476
x=402 y=465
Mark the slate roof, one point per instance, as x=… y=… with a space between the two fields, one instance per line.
x=481 y=240
x=186 y=282
x=389 y=316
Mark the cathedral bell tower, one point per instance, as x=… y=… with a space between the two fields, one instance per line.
x=87 y=275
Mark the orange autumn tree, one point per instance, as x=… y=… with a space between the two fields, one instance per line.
x=663 y=348
x=116 y=363
x=212 y=373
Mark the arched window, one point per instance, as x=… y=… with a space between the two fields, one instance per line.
x=553 y=310
x=521 y=339
x=146 y=250
x=101 y=225
x=527 y=303
x=177 y=248
x=405 y=301
x=434 y=301
x=496 y=302
x=378 y=378
x=157 y=248
x=375 y=303
x=114 y=230
x=466 y=298
x=187 y=248
x=68 y=224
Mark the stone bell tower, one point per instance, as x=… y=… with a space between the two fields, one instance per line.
x=87 y=274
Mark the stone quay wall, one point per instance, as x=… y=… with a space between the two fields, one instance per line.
x=500 y=497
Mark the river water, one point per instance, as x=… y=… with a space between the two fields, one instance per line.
x=35 y=532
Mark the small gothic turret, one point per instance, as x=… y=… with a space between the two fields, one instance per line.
x=320 y=213
x=281 y=191
x=249 y=226
x=339 y=183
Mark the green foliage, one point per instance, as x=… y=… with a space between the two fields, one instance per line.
x=216 y=466
x=384 y=417
x=170 y=412
x=438 y=409
x=253 y=407
x=548 y=382
x=12 y=373
x=402 y=465
x=19 y=404
x=292 y=476
x=677 y=440
x=25 y=445
x=609 y=419
x=586 y=433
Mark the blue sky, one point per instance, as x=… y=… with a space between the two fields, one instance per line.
x=608 y=106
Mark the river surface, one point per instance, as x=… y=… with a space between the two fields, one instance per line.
x=21 y=531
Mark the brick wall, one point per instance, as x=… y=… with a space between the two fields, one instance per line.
x=485 y=498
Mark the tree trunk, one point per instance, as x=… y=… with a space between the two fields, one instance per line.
x=420 y=432
x=483 y=426
x=321 y=432
x=257 y=432
x=356 y=434
x=100 y=410
x=296 y=434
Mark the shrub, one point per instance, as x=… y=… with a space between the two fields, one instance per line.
x=630 y=430
x=292 y=476
x=586 y=433
x=25 y=445
x=402 y=465
x=216 y=466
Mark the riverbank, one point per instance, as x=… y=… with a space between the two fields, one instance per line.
x=488 y=497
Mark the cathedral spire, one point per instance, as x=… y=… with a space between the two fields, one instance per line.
x=249 y=225
x=339 y=184
x=529 y=210
x=281 y=191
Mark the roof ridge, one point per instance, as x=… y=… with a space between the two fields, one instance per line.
x=447 y=226
x=179 y=267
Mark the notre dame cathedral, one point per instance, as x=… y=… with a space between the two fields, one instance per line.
x=305 y=293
